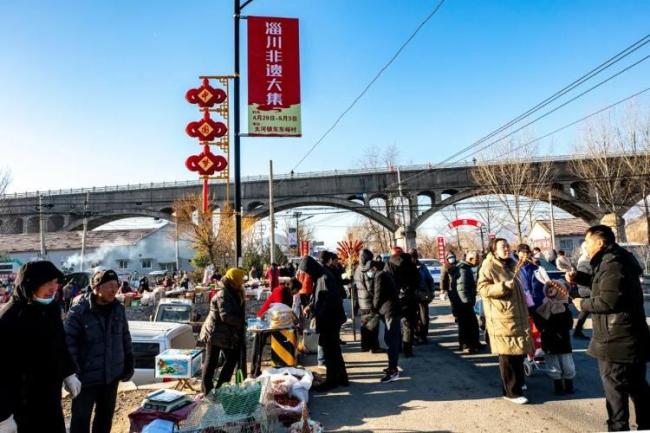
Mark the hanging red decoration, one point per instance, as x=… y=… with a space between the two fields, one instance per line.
x=205 y=96
x=206 y=129
x=206 y=163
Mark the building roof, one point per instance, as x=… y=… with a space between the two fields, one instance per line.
x=28 y=242
x=565 y=226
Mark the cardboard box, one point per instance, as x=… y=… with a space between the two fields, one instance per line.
x=178 y=363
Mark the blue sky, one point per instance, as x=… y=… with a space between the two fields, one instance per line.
x=93 y=92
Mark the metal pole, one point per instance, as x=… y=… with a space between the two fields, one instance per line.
x=84 y=232
x=297 y=215
x=41 y=225
x=271 y=212
x=236 y=108
x=178 y=264
x=550 y=202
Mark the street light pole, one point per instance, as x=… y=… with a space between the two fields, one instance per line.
x=236 y=137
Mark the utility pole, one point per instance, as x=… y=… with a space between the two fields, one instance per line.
x=84 y=232
x=178 y=264
x=41 y=225
x=271 y=212
x=550 y=203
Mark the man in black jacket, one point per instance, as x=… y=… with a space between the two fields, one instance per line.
x=98 y=338
x=621 y=339
x=407 y=279
x=364 y=295
x=327 y=308
x=464 y=296
x=385 y=304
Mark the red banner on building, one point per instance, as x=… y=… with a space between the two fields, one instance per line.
x=442 y=257
x=273 y=77
x=304 y=248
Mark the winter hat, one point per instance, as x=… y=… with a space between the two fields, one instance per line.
x=32 y=275
x=397 y=250
x=103 y=276
x=365 y=259
x=235 y=276
x=451 y=257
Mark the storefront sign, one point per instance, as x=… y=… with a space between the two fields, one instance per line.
x=273 y=77
x=441 y=249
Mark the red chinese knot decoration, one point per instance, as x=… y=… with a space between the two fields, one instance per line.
x=205 y=96
x=206 y=129
x=206 y=163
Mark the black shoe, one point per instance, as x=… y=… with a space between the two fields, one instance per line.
x=343 y=343
x=391 y=376
x=378 y=350
x=580 y=336
x=568 y=386
x=558 y=387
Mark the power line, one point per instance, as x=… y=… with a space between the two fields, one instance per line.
x=376 y=77
x=613 y=60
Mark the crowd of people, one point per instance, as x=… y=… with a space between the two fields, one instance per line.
x=89 y=351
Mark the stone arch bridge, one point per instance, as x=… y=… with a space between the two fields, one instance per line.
x=370 y=193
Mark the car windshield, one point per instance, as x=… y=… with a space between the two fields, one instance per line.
x=173 y=313
x=548 y=266
x=430 y=262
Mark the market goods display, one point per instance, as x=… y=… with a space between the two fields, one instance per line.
x=280 y=316
x=241 y=398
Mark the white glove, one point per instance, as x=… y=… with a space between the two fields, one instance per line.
x=8 y=425
x=72 y=385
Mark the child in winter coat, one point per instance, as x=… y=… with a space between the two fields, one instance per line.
x=554 y=319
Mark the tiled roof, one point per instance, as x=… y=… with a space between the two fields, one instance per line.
x=565 y=226
x=70 y=240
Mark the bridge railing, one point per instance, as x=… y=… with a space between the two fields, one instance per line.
x=288 y=176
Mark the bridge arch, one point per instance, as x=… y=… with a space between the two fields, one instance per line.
x=107 y=217
x=561 y=199
x=353 y=206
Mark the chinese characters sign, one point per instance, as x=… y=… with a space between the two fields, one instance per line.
x=273 y=77
x=440 y=241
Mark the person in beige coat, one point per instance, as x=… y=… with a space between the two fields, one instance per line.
x=506 y=317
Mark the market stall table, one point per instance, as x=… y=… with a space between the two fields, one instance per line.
x=141 y=417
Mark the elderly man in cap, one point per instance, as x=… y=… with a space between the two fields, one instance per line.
x=98 y=338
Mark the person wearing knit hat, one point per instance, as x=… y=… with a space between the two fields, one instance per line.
x=224 y=331
x=98 y=337
x=35 y=361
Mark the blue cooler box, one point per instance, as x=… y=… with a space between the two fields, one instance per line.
x=178 y=363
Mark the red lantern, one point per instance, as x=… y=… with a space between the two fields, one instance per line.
x=206 y=163
x=205 y=96
x=206 y=129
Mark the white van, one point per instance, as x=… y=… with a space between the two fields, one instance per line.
x=151 y=338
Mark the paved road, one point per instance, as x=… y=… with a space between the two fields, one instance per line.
x=442 y=390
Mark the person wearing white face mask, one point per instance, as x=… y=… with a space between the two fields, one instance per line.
x=35 y=361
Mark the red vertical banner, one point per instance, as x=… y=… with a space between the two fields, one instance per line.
x=273 y=77
x=304 y=248
x=442 y=257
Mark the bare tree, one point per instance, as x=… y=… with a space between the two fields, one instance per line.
x=605 y=166
x=635 y=134
x=5 y=180
x=516 y=180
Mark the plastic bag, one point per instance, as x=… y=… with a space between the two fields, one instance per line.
x=280 y=316
x=299 y=388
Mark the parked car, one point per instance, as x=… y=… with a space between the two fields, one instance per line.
x=178 y=310
x=434 y=266
x=151 y=338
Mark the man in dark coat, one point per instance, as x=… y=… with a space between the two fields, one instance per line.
x=407 y=280
x=98 y=337
x=34 y=360
x=465 y=298
x=424 y=297
x=328 y=311
x=621 y=339
x=365 y=293
x=386 y=305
